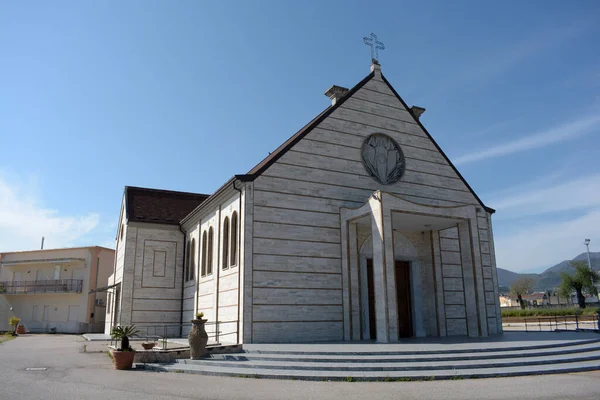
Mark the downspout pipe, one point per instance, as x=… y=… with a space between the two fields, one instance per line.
x=218 y=276
x=239 y=252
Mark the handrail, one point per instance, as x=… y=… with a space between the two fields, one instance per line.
x=42 y=286
x=163 y=332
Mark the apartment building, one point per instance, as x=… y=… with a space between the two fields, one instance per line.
x=49 y=290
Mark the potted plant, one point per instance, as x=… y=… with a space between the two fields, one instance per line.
x=14 y=322
x=198 y=337
x=148 y=345
x=123 y=355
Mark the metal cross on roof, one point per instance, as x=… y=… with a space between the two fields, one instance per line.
x=375 y=45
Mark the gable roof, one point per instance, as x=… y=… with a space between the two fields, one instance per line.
x=159 y=206
x=288 y=144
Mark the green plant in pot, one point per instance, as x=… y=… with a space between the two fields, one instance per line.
x=200 y=315
x=124 y=354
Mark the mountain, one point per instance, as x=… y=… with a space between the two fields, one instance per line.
x=550 y=278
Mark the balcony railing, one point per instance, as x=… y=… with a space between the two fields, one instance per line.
x=45 y=286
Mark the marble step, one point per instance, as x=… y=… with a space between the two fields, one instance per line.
x=429 y=374
x=349 y=358
x=374 y=349
x=396 y=366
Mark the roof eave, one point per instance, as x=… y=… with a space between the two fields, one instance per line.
x=210 y=198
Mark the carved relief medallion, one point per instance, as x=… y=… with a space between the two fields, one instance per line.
x=383 y=158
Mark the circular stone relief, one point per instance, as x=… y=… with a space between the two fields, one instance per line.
x=383 y=158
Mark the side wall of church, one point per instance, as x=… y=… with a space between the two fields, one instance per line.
x=152 y=276
x=117 y=276
x=216 y=294
x=296 y=271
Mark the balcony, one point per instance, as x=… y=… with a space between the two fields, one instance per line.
x=41 y=287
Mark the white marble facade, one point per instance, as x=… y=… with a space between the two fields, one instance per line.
x=323 y=235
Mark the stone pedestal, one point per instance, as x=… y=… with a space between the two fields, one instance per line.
x=198 y=339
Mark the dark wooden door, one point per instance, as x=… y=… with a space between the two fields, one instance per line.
x=371 y=291
x=403 y=296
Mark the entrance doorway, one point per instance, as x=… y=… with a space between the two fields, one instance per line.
x=403 y=296
x=403 y=299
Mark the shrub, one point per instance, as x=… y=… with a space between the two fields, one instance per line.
x=547 y=312
x=14 y=321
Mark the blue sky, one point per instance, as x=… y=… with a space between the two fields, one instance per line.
x=183 y=95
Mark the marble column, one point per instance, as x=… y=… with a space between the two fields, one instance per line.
x=379 y=269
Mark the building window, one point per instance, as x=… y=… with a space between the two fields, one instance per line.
x=192 y=271
x=203 y=272
x=225 y=241
x=234 y=238
x=209 y=267
x=121 y=234
x=186 y=272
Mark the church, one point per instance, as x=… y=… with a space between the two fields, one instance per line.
x=358 y=227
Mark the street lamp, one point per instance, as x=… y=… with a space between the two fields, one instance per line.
x=587 y=244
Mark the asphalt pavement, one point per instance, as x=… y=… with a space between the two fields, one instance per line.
x=52 y=367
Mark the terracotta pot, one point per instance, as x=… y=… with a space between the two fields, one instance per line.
x=148 y=346
x=198 y=339
x=123 y=359
x=20 y=330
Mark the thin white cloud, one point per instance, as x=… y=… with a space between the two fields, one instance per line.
x=579 y=193
x=23 y=221
x=559 y=215
x=502 y=125
x=568 y=131
x=546 y=243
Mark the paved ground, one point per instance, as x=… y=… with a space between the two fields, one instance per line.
x=72 y=374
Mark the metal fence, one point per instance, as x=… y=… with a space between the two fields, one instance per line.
x=42 y=286
x=564 y=322
x=560 y=306
x=218 y=332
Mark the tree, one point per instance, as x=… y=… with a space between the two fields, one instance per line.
x=582 y=282
x=520 y=287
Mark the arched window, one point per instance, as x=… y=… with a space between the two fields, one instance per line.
x=192 y=270
x=209 y=267
x=234 y=238
x=186 y=271
x=225 y=241
x=203 y=273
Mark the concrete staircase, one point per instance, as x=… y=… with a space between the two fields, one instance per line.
x=385 y=363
